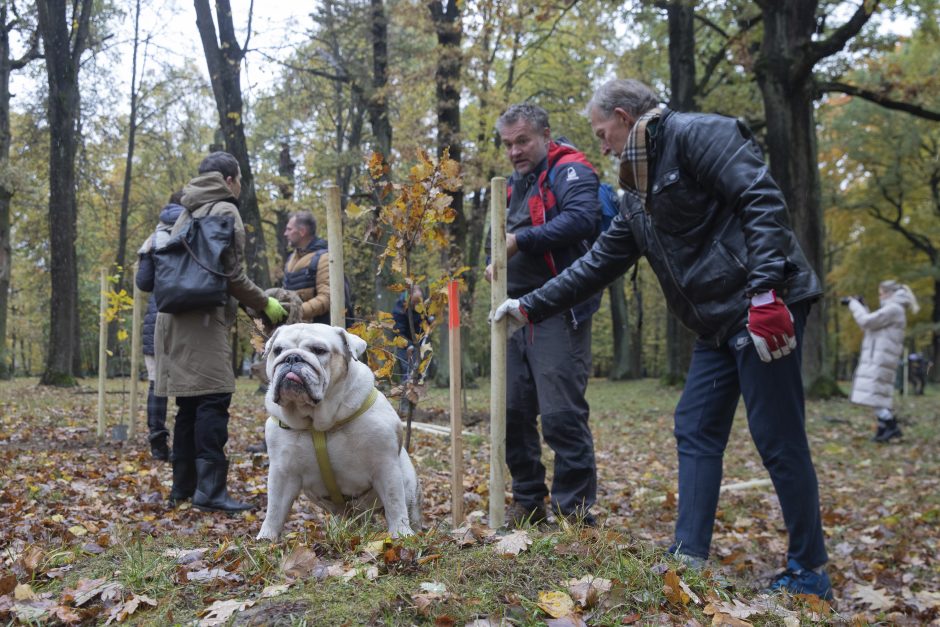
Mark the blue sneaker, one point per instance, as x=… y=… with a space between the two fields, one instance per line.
x=798 y=580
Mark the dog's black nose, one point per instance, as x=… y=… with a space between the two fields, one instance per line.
x=293 y=358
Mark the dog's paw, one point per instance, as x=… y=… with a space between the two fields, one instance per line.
x=267 y=534
x=401 y=532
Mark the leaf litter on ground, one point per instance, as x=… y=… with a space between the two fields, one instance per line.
x=72 y=504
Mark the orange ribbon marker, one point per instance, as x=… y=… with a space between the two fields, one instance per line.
x=453 y=298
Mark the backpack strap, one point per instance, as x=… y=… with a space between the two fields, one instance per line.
x=229 y=276
x=539 y=206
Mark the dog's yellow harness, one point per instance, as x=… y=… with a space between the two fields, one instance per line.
x=323 y=457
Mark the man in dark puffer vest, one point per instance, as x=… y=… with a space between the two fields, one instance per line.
x=156 y=405
x=312 y=283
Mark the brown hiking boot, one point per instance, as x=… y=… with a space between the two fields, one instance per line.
x=521 y=515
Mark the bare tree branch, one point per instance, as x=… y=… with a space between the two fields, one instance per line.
x=251 y=12
x=342 y=78
x=878 y=98
x=819 y=50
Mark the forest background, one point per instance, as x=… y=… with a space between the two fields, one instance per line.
x=113 y=104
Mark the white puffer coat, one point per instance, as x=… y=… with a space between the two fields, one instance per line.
x=881 y=348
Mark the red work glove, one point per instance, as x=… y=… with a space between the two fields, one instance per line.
x=770 y=325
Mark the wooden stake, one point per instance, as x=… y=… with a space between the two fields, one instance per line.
x=498 y=339
x=456 y=413
x=135 y=356
x=102 y=349
x=334 y=235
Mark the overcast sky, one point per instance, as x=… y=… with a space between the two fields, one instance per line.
x=277 y=27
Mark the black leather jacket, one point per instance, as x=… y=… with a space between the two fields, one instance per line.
x=715 y=233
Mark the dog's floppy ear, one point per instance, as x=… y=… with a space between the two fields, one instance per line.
x=355 y=345
x=270 y=343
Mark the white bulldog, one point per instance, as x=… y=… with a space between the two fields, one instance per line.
x=317 y=382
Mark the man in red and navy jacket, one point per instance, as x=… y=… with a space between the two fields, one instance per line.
x=552 y=216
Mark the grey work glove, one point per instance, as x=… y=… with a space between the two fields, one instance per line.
x=514 y=314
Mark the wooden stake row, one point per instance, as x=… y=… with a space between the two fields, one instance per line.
x=337 y=318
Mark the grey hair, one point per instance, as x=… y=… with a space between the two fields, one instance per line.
x=628 y=94
x=306 y=220
x=535 y=115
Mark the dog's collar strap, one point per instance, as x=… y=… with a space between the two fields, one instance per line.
x=323 y=456
x=366 y=404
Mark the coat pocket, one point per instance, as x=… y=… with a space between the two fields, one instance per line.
x=675 y=206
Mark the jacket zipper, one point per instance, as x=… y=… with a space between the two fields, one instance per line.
x=732 y=255
x=675 y=281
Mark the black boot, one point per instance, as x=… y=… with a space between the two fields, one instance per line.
x=879 y=433
x=211 y=494
x=184 y=480
x=159 y=449
x=891 y=431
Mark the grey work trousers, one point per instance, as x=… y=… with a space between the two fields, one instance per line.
x=547 y=370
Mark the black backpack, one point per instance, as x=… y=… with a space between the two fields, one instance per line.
x=347 y=292
x=188 y=271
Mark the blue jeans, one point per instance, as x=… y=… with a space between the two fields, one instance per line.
x=773 y=397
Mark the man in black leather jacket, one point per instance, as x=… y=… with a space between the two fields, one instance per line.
x=701 y=206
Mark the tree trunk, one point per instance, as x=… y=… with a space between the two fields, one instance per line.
x=224 y=64
x=784 y=71
x=622 y=368
x=6 y=193
x=116 y=366
x=446 y=17
x=791 y=141
x=636 y=355
x=377 y=107
x=63 y=51
x=378 y=100
x=7 y=65
x=935 y=336
x=681 y=18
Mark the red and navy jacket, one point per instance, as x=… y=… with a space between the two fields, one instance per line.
x=564 y=217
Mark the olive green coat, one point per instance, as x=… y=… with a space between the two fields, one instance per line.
x=194 y=349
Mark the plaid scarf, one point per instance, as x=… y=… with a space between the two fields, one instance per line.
x=634 y=170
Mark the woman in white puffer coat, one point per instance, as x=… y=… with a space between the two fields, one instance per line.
x=873 y=385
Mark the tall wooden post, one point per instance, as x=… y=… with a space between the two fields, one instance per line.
x=102 y=349
x=498 y=354
x=135 y=357
x=456 y=415
x=334 y=236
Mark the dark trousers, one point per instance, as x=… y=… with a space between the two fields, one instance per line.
x=201 y=429
x=773 y=397
x=156 y=415
x=547 y=371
